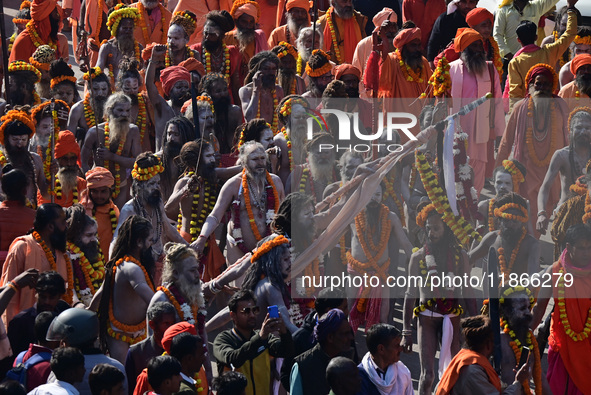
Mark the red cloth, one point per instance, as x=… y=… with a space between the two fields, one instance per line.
x=15 y=220
x=99 y=177
x=423 y=14
x=539 y=70
x=174 y=330
x=64 y=201
x=558 y=377
x=465 y=358
x=345 y=69
x=235 y=60
x=40 y=12
x=37 y=374
x=465 y=37
x=579 y=61
x=66 y=144
x=171 y=75
x=478 y=15
x=405 y=36
x=193 y=64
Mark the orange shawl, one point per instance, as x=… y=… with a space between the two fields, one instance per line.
x=466 y=358
x=348 y=34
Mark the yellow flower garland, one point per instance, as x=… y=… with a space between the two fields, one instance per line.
x=144 y=174
x=36 y=39
x=19 y=65
x=501 y=212
x=333 y=36
x=516 y=174
x=582 y=40
x=121 y=12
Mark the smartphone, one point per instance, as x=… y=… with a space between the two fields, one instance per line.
x=524 y=355
x=273 y=311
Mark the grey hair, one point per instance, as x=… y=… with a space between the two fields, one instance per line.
x=578 y=114
x=175 y=253
x=306 y=31
x=242 y=153
x=158 y=309
x=113 y=100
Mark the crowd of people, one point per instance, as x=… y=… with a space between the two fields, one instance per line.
x=167 y=217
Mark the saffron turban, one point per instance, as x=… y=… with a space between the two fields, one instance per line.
x=305 y=4
x=66 y=144
x=541 y=69
x=383 y=15
x=249 y=8
x=346 y=69
x=479 y=15
x=99 y=177
x=578 y=61
x=41 y=9
x=465 y=37
x=193 y=64
x=171 y=75
x=405 y=36
x=147 y=51
x=174 y=330
x=328 y=323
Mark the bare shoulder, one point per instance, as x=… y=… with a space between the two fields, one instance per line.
x=276 y=179
x=234 y=110
x=77 y=107
x=483 y=204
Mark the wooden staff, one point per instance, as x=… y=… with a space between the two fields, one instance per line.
x=52 y=140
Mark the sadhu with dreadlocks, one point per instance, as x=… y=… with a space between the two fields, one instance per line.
x=123 y=299
x=260 y=94
x=569 y=162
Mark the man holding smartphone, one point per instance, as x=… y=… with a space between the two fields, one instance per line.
x=247 y=350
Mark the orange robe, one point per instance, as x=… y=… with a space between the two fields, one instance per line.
x=280 y=34
x=25 y=253
x=159 y=34
x=64 y=201
x=515 y=138
x=23 y=47
x=105 y=230
x=201 y=8
x=466 y=358
x=91 y=23
x=346 y=42
x=394 y=85
x=569 y=93
x=574 y=354
x=259 y=44
x=423 y=14
x=15 y=220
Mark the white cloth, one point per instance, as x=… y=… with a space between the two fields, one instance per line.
x=188 y=379
x=447 y=335
x=448 y=166
x=57 y=388
x=397 y=381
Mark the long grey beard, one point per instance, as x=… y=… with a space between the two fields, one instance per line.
x=321 y=172
x=244 y=38
x=191 y=292
x=68 y=180
x=475 y=63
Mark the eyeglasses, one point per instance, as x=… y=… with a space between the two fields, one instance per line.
x=254 y=310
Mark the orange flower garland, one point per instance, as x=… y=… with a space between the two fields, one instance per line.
x=248 y=203
x=177 y=305
x=88 y=112
x=275 y=116
x=516 y=174
x=333 y=35
x=53 y=266
x=289 y=50
x=142 y=116
x=517 y=349
x=116 y=323
x=586 y=330
x=501 y=212
x=497 y=61
x=409 y=74
x=587 y=215
x=36 y=39
x=491 y=215
x=529 y=136
x=13 y=116
x=19 y=65
x=38 y=65
x=392 y=193
x=507 y=270
x=226 y=62
x=143 y=24
x=582 y=40
x=322 y=70
x=461 y=228
x=289 y=152
x=117 y=165
x=268 y=246
x=579 y=188
x=55 y=81
x=440 y=79
x=3 y=160
x=144 y=174
x=93 y=273
x=168 y=61
x=424 y=214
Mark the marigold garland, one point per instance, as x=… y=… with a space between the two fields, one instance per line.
x=516 y=174
x=116 y=323
x=288 y=50
x=248 y=203
x=11 y=43
x=3 y=159
x=178 y=308
x=268 y=246
x=575 y=336
x=37 y=65
x=142 y=116
x=529 y=136
x=511 y=290
x=462 y=229
x=300 y=65
x=112 y=217
x=424 y=214
x=289 y=151
x=501 y=212
x=47 y=158
x=58 y=191
x=55 y=81
x=14 y=116
x=507 y=270
x=333 y=36
x=92 y=73
x=440 y=79
x=225 y=64
x=582 y=40
x=93 y=272
x=208 y=203
x=496 y=57
x=579 y=187
x=517 y=348
x=546 y=66
x=322 y=70
x=19 y=65
x=491 y=215
x=409 y=74
x=143 y=23
x=275 y=120
x=53 y=265
x=168 y=61
x=390 y=192
x=36 y=39
x=88 y=112
x=144 y=174
x=117 y=165
x=122 y=12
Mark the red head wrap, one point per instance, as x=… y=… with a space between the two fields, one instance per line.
x=174 y=330
x=171 y=75
x=465 y=37
x=99 y=177
x=344 y=69
x=405 y=36
x=541 y=69
x=478 y=15
x=193 y=64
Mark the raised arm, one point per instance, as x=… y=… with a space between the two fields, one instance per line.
x=557 y=165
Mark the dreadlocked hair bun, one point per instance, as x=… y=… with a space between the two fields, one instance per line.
x=335 y=89
x=186 y=20
x=318 y=59
x=59 y=68
x=476 y=330
x=222 y=18
x=129 y=64
x=256 y=62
